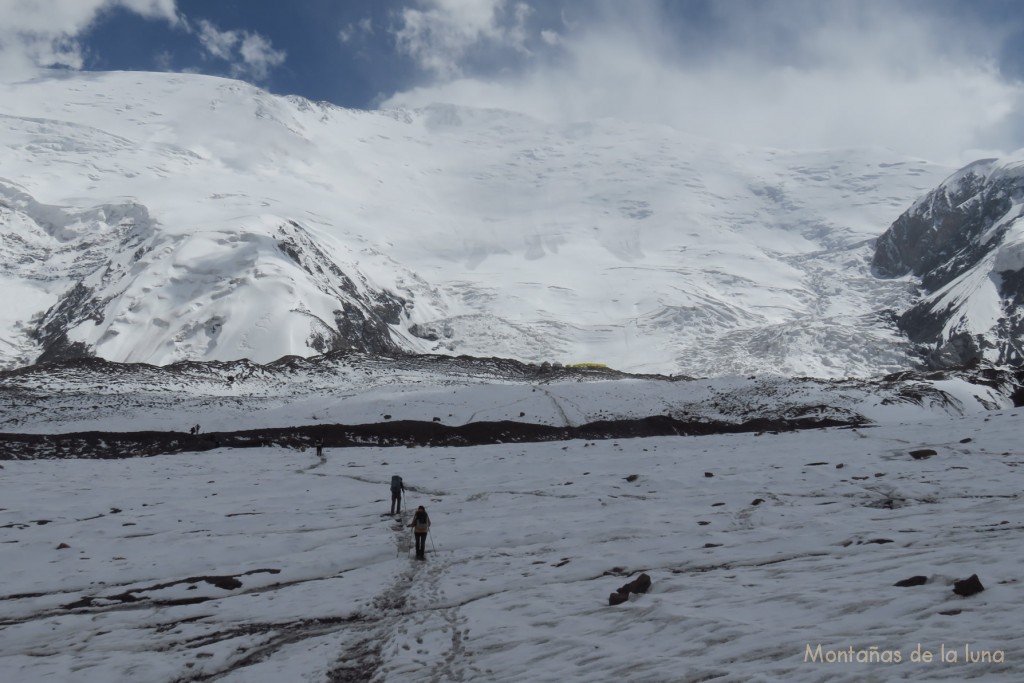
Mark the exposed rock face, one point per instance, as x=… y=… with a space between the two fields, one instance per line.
x=364 y=313
x=965 y=241
x=135 y=294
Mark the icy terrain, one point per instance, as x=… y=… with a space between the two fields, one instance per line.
x=273 y=565
x=158 y=218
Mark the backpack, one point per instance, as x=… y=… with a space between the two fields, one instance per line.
x=421 y=522
x=396 y=483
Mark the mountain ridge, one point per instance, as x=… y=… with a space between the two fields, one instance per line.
x=965 y=241
x=445 y=230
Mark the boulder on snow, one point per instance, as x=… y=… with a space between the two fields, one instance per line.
x=968 y=587
x=617 y=598
x=922 y=453
x=912 y=581
x=640 y=584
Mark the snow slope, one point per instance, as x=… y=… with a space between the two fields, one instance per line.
x=443 y=229
x=360 y=389
x=272 y=565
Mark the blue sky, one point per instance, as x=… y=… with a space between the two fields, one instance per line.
x=938 y=79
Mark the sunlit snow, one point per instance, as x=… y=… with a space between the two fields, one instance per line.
x=644 y=248
x=272 y=565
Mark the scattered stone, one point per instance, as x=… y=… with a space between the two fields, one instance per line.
x=703 y=523
x=840 y=466
x=923 y=453
x=912 y=581
x=63 y=546
x=715 y=505
x=712 y=545
x=950 y=613
x=967 y=440
x=968 y=587
x=632 y=477
x=757 y=501
x=709 y=474
x=815 y=464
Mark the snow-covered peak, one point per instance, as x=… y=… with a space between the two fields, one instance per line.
x=462 y=231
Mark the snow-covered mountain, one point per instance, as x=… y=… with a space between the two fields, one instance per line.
x=158 y=218
x=965 y=241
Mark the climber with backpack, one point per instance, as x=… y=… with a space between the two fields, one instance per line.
x=397 y=489
x=421 y=526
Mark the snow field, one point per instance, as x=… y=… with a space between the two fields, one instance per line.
x=530 y=539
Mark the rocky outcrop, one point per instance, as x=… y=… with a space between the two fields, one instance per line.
x=965 y=241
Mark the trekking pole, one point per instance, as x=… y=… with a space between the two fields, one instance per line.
x=431 y=537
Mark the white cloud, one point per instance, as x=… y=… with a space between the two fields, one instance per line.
x=349 y=33
x=439 y=34
x=796 y=75
x=42 y=33
x=250 y=55
x=550 y=37
x=218 y=43
x=259 y=56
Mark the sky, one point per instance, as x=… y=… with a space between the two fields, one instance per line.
x=941 y=80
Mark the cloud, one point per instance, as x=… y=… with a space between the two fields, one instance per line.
x=259 y=55
x=250 y=55
x=36 y=34
x=350 y=32
x=439 y=33
x=789 y=74
x=217 y=43
x=43 y=33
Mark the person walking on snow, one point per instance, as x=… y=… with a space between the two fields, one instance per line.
x=397 y=489
x=420 y=526
x=320 y=447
